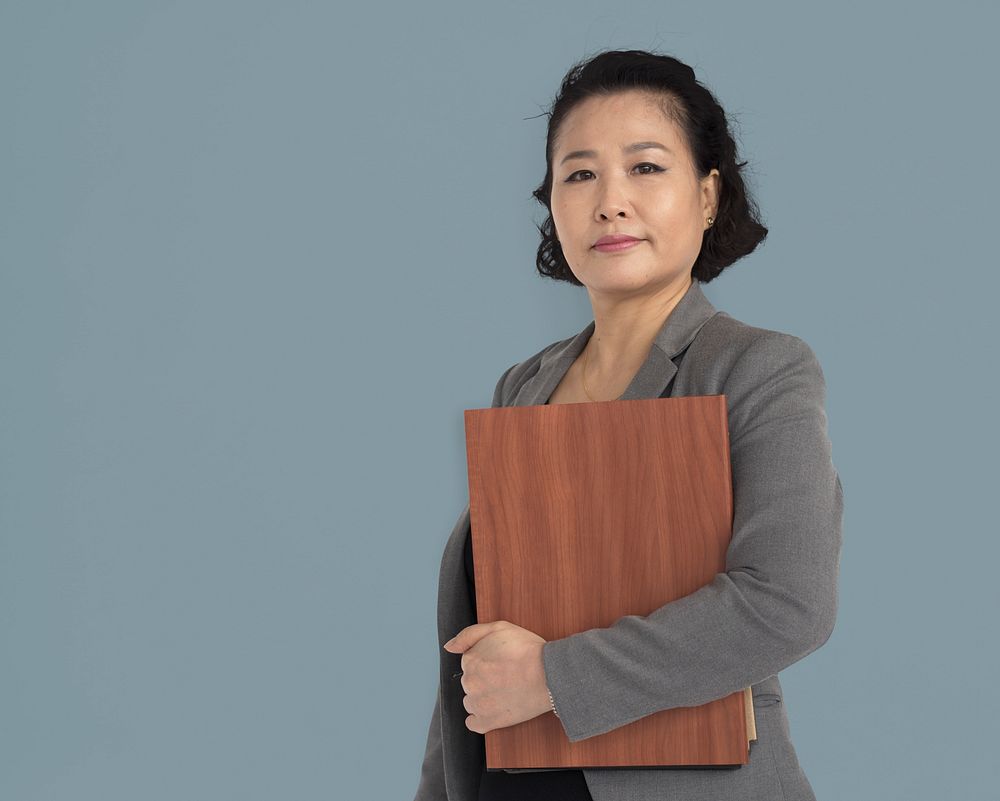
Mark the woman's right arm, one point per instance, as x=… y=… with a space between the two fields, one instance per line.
x=431 y=787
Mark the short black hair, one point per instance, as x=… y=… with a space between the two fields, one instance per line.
x=737 y=229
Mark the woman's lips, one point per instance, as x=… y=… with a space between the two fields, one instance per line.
x=613 y=247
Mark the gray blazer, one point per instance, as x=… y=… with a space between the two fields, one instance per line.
x=776 y=602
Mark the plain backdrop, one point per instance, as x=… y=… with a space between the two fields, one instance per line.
x=257 y=258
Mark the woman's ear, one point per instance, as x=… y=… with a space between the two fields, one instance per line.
x=711 y=186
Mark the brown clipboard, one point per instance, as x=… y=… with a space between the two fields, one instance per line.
x=582 y=513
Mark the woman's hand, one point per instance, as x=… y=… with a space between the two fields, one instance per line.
x=502 y=674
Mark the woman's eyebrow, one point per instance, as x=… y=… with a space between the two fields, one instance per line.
x=635 y=146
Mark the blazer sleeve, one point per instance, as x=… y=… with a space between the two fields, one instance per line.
x=432 y=786
x=777 y=600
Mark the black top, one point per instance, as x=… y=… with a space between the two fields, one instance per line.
x=498 y=785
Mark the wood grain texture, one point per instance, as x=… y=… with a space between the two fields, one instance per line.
x=582 y=513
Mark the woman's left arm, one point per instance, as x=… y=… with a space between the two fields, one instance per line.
x=777 y=600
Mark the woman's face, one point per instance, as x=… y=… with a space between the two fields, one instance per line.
x=610 y=175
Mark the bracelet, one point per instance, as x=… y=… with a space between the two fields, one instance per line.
x=552 y=703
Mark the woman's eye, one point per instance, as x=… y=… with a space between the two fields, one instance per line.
x=647 y=164
x=652 y=169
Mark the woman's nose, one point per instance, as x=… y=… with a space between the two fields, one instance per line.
x=611 y=203
x=607 y=213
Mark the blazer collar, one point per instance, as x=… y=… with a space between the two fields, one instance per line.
x=678 y=330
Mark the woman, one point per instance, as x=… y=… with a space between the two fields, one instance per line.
x=646 y=203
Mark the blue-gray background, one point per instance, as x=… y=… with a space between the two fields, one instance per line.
x=257 y=259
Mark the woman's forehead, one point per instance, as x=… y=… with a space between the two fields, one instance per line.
x=609 y=125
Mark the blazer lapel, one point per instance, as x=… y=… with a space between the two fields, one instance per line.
x=678 y=330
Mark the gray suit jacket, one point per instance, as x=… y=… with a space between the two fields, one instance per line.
x=775 y=603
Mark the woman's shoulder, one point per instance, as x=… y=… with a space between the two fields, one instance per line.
x=755 y=368
x=515 y=376
x=727 y=342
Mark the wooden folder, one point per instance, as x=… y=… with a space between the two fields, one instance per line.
x=582 y=513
